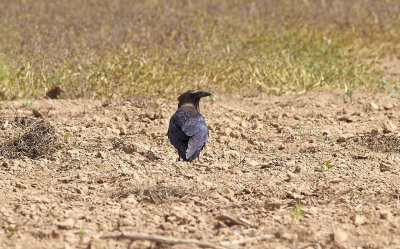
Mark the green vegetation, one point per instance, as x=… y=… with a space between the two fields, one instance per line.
x=118 y=48
x=324 y=167
x=298 y=211
x=299 y=128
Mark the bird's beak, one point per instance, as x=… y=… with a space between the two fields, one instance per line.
x=201 y=94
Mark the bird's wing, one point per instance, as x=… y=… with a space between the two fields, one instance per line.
x=196 y=128
x=175 y=134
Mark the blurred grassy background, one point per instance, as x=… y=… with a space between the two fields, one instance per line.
x=112 y=48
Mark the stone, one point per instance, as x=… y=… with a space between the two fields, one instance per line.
x=383 y=167
x=359 y=220
x=388 y=106
x=389 y=127
x=340 y=238
x=373 y=106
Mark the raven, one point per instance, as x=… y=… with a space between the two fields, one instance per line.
x=188 y=131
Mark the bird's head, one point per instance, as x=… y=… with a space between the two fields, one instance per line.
x=192 y=97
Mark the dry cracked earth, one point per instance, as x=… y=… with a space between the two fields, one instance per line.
x=316 y=170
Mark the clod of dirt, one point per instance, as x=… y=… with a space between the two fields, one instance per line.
x=33 y=138
x=37 y=114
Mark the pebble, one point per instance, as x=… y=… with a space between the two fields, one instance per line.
x=359 y=220
x=383 y=167
x=389 y=127
x=374 y=106
x=340 y=237
x=21 y=186
x=388 y=106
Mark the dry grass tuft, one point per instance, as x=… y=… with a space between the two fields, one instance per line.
x=117 y=47
x=32 y=138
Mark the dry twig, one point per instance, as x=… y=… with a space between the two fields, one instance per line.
x=161 y=239
x=172 y=241
x=236 y=221
x=247 y=240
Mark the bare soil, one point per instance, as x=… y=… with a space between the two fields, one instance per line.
x=318 y=170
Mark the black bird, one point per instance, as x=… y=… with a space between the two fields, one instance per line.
x=188 y=131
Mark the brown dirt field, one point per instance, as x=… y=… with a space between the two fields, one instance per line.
x=117 y=173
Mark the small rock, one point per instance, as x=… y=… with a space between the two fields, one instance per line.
x=273 y=203
x=5 y=125
x=101 y=154
x=252 y=163
x=66 y=224
x=297 y=169
x=244 y=124
x=37 y=114
x=125 y=222
x=235 y=134
x=296 y=117
x=359 y=220
x=122 y=130
x=345 y=119
x=227 y=131
x=385 y=214
x=20 y=185
x=374 y=132
x=388 y=106
x=151 y=156
x=111 y=130
x=373 y=106
x=255 y=116
x=275 y=125
x=389 y=127
x=340 y=237
x=341 y=140
x=292 y=176
x=78 y=190
x=130 y=148
x=383 y=167
x=233 y=153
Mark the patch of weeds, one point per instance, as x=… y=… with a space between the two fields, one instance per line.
x=329 y=140
x=12 y=231
x=353 y=197
x=349 y=93
x=317 y=130
x=241 y=191
x=324 y=167
x=66 y=137
x=82 y=233
x=28 y=102
x=299 y=128
x=298 y=211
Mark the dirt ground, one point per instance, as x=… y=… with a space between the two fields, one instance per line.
x=317 y=170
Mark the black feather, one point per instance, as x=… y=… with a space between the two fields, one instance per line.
x=188 y=131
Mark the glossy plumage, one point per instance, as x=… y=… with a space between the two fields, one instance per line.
x=188 y=131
